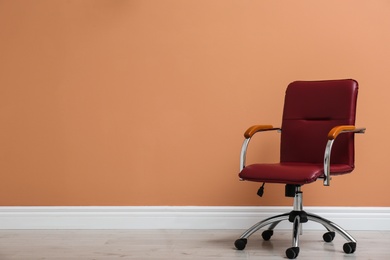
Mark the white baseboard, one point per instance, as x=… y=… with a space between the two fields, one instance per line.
x=182 y=217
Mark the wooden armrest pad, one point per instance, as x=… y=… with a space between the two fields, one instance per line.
x=339 y=129
x=256 y=128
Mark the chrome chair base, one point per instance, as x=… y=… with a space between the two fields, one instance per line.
x=297 y=217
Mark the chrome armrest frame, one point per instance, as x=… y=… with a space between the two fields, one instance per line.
x=328 y=151
x=244 y=147
x=243 y=153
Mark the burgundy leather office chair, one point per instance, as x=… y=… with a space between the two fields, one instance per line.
x=317 y=142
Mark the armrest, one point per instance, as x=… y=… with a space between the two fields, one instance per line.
x=258 y=128
x=332 y=135
x=248 y=135
x=344 y=129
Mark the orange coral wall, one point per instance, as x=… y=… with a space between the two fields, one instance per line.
x=145 y=102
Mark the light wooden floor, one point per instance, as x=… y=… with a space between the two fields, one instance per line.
x=180 y=244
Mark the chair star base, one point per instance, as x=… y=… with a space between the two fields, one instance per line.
x=297 y=217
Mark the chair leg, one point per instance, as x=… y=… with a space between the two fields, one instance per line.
x=293 y=251
x=272 y=221
x=349 y=247
x=273 y=225
x=330 y=226
x=296 y=231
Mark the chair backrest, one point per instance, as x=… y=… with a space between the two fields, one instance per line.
x=311 y=110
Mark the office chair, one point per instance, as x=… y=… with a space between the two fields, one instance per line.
x=317 y=142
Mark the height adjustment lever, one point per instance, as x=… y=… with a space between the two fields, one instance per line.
x=260 y=192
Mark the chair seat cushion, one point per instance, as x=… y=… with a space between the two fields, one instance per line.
x=289 y=173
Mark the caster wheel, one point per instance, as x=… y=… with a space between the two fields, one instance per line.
x=292 y=252
x=349 y=248
x=240 y=243
x=329 y=236
x=267 y=234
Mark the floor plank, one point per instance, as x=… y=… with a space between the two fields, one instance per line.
x=180 y=244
